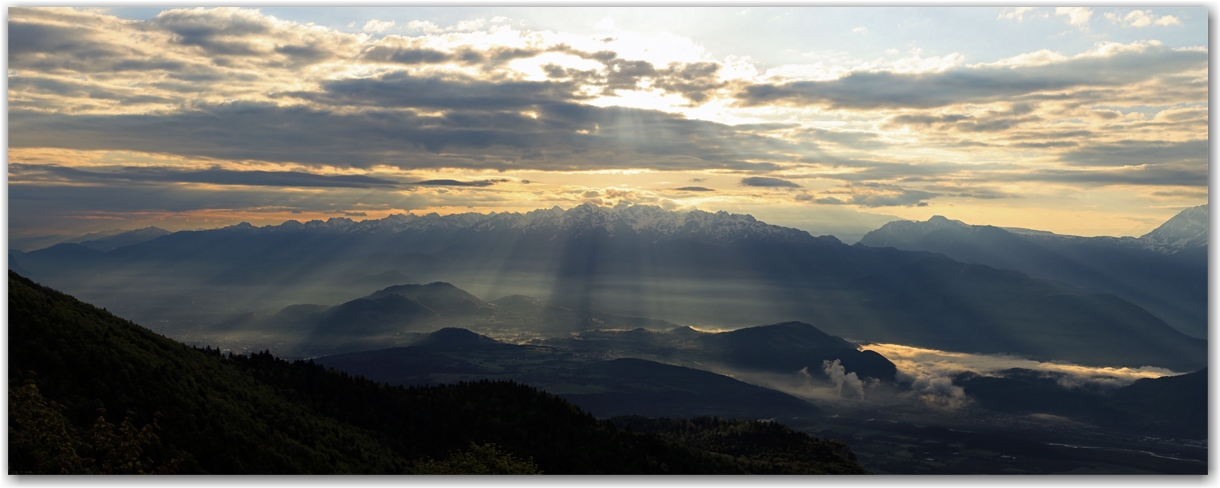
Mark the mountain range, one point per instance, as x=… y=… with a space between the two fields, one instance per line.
x=712 y=270
x=103 y=240
x=1163 y=272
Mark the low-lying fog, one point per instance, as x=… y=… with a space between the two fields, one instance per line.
x=926 y=376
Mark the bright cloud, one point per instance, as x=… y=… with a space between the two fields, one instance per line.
x=1142 y=18
x=1017 y=13
x=378 y=26
x=1077 y=16
x=931 y=372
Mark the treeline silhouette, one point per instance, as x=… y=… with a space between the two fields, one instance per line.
x=75 y=370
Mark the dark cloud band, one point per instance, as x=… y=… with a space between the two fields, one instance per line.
x=480 y=183
x=873 y=90
x=767 y=182
x=209 y=176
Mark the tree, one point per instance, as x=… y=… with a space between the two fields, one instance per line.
x=478 y=459
x=43 y=441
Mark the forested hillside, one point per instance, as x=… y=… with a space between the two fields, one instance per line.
x=93 y=393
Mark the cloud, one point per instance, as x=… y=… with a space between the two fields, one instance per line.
x=861 y=170
x=214 y=176
x=480 y=183
x=411 y=52
x=1139 y=153
x=218 y=32
x=183 y=55
x=875 y=195
x=401 y=89
x=835 y=372
x=930 y=372
x=937 y=392
x=766 y=182
x=248 y=91
x=1141 y=18
x=79 y=45
x=377 y=26
x=987 y=121
x=1197 y=194
x=854 y=139
x=693 y=188
x=695 y=81
x=981 y=193
x=471 y=138
x=1157 y=175
x=233 y=37
x=1107 y=66
x=1077 y=16
x=44 y=205
x=67 y=87
x=37 y=200
x=1167 y=20
x=860 y=30
x=1016 y=13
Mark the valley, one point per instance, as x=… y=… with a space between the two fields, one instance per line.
x=1081 y=408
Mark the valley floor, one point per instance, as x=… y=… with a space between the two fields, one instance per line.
x=975 y=441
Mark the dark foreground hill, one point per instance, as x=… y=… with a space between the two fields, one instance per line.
x=1171 y=406
x=784 y=348
x=91 y=392
x=606 y=388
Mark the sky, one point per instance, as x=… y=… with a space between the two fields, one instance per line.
x=1086 y=121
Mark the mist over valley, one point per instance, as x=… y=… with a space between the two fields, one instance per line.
x=658 y=313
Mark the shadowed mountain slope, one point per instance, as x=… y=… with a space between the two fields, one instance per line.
x=126 y=238
x=783 y=349
x=697 y=268
x=1170 y=406
x=396 y=315
x=621 y=386
x=1164 y=272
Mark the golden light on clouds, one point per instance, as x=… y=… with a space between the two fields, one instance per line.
x=921 y=362
x=1107 y=139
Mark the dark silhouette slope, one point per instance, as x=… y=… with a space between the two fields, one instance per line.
x=784 y=349
x=605 y=388
x=259 y=414
x=1170 y=406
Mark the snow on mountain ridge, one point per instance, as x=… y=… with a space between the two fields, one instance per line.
x=1187 y=229
x=644 y=220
